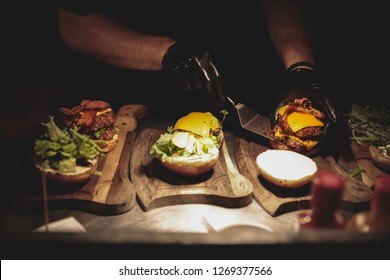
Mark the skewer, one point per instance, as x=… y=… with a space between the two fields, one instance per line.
x=45 y=204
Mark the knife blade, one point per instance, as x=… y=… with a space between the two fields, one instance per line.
x=243 y=117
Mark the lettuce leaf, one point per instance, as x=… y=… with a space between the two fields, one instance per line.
x=196 y=145
x=61 y=149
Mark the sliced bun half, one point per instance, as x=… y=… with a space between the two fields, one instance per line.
x=286 y=168
x=82 y=174
x=192 y=165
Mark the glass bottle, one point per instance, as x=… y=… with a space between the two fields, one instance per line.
x=378 y=217
x=326 y=192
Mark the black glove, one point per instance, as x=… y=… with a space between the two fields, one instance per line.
x=304 y=82
x=195 y=70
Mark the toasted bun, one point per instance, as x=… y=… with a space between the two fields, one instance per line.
x=82 y=174
x=192 y=165
x=111 y=145
x=286 y=168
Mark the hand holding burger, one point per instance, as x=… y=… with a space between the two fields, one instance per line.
x=191 y=146
x=304 y=116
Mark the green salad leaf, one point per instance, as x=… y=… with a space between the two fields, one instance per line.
x=62 y=149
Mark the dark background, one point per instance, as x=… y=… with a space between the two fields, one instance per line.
x=349 y=44
x=39 y=73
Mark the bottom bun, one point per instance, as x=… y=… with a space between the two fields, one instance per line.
x=285 y=168
x=110 y=145
x=282 y=146
x=82 y=174
x=192 y=165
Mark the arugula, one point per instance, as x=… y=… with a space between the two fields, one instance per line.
x=370 y=125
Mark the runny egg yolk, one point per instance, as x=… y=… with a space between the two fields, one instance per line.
x=198 y=122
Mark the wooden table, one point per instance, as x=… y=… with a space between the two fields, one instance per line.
x=175 y=230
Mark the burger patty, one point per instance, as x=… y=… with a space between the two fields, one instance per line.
x=98 y=122
x=101 y=121
x=108 y=134
x=309 y=132
x=292 y=143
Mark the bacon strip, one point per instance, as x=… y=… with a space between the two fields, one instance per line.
x=94 y=104
x=303 y=105
x=72 y=111
x=83 y=115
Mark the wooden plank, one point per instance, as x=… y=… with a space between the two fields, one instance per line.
x=111 y=192
x=157 y=187
x=276 y=200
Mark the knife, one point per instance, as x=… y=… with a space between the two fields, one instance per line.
x=247 y=121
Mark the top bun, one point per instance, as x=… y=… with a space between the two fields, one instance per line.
x=286 y=168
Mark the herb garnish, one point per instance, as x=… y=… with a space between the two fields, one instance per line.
x=370 y=125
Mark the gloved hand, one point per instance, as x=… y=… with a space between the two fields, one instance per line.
x=195 y=70
x=303 y=82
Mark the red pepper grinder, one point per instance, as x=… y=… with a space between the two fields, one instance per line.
x=326 y=191
x=378 y=217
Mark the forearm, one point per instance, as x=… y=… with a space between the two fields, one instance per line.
x=107 y=40
x=288 y=31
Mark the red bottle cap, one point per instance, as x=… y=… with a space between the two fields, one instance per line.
x=326 y=192
x=381 y=199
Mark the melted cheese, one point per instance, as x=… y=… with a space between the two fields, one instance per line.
x=104 y=111
x=198 y=122
x=299 y=120
x=308 y=143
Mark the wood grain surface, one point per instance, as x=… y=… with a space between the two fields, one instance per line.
x=109 y=191
x=276 y=200
x=157 y=186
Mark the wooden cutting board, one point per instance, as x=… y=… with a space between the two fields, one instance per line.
x=276 y=200
x=157 y=186
x=109 y=191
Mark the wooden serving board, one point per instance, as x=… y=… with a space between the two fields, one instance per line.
x=359 y=156
x=109 y=191
x=276 y=200
x=157 y=186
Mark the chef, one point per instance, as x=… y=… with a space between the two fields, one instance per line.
x=156 y=52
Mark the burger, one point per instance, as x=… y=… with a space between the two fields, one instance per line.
x=65 y=156
x=298 y=127
x=96 y=119
x=191 y=146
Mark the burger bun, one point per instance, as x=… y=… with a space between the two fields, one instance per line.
x=82 y=174
x=192 y=165
x=285 y=168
